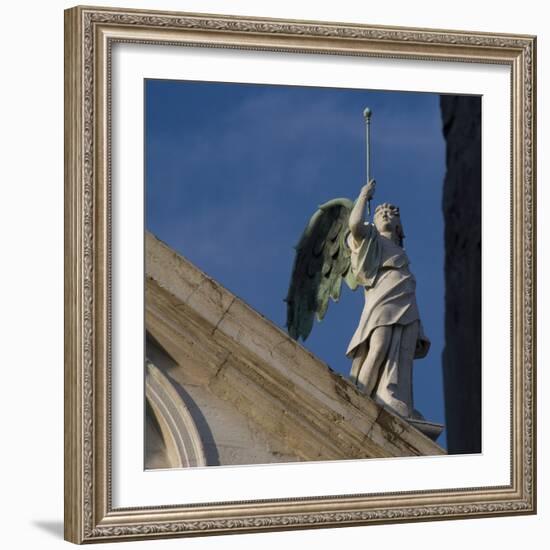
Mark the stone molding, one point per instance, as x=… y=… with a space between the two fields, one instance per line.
x=182 y=439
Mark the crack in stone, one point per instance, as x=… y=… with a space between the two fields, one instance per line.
x=195 y=290
x=222 y=364
x=191 y=294
x=367 y=436
x=223 y=316
x=274 y=348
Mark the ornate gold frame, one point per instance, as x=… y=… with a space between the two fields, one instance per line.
x=89 y=34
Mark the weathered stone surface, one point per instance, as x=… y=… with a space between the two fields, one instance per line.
x=227 y=437
x=156 y=455
x=256 y=394
x=462 y=213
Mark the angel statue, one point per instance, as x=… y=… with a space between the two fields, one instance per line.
x=338 y=244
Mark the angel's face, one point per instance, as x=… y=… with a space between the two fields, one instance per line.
x=386 y=219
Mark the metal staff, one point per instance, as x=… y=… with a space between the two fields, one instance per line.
x=367 y=114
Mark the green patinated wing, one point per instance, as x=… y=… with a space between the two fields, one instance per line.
x=322 y=261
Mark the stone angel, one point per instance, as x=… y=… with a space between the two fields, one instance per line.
x=339 y=245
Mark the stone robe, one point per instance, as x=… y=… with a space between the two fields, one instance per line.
x=382 y=268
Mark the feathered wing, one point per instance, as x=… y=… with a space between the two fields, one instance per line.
x=322 y=261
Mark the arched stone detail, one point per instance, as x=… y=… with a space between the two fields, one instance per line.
x=182 y=438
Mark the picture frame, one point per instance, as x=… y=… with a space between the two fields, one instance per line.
x=90 y=34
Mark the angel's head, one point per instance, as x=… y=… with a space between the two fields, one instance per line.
x=387 y=220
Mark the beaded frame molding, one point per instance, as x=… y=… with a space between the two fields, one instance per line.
x=89 y=36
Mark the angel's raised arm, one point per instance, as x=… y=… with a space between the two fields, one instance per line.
x=357 y=216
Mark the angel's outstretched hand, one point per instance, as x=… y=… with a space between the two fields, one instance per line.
x=368 y=190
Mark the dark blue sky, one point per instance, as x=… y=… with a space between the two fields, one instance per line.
x=234 y=171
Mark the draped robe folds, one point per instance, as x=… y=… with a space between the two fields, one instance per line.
x=382 y=268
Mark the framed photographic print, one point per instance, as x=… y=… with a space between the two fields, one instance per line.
x=300 y=284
